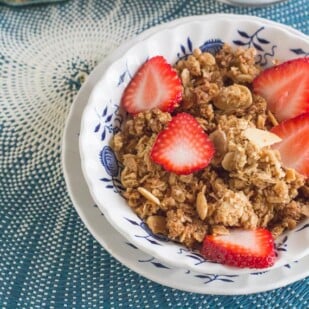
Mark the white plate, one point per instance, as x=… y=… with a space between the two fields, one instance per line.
x=129 y=255
x=101 y=120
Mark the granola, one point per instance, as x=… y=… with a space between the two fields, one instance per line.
x=245 y=184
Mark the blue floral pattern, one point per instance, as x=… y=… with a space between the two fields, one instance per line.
x=154 y=262
x=150 y=237
x=299 y=52
x=305 y=226
x=110 y=123
x=265 y=49
x=281 y=246
x=109 y=161
x=197 y=258
x=212 y=46
x=208 y=278
x=259 y=43
x=205 y=278
x=125 y=74
x=185 y=49
x=111 y=118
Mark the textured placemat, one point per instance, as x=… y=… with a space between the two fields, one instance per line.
x=48 y=259
x=27 y=2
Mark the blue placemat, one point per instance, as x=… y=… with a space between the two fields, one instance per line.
x=27 y=2
x=48 y=259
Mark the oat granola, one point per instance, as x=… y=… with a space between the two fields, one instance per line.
x=245 y=185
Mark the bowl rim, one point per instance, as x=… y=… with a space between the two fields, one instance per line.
x=101 y=204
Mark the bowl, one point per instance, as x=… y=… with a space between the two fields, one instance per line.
x=103 y=117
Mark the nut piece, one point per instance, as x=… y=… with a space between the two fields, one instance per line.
x=233 y=97
x=305 y=210
x=201 y=204
x=185 y=77
x=207 y=59
x=157 y=224
x=218 y=137
x=277 y=231
x=290 y=175
x=148 y=195
x=228 y=162
x=261 y=138
x=197 y=52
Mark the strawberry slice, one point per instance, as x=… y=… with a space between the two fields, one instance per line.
x=155 y=84
x=182 y=147
x=294 y=146
x=241 y=248
x=285 y=88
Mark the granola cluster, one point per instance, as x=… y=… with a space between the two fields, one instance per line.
x=244 y=186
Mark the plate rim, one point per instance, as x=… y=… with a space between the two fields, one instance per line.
x=93 y=184
x=105 y=64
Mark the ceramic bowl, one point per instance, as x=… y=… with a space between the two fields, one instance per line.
x=103 y=117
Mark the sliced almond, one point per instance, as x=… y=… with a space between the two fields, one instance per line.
x=148 y=195
x=218 y=137
x=201 y=204
x=261 y=138
x=228 y=162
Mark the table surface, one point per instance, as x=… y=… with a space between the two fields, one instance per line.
x=48 y=259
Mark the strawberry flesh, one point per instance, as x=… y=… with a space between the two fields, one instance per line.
x=241 y=248
x=155 y=85
x=182 y=147
x=285 y=88
x=294 y=146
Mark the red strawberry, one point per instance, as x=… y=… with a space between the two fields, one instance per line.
x=241 y=248
x=155 y=84
x=285 y=88
x=294 y=147
x=183 y=147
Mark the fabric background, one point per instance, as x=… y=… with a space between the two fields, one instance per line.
x=48 y=259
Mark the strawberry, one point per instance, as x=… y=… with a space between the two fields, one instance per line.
x=285 y=88
x=155 y=84
x=294 y=146
x=182 y=147
x=241 y=248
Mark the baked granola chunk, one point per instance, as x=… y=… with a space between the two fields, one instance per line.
x=245 y=185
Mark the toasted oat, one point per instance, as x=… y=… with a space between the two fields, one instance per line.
x=290 y=174
x=245 y=185
x=220 y=230
x=305 y=210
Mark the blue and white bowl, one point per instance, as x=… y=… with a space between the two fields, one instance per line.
x=102 y=118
